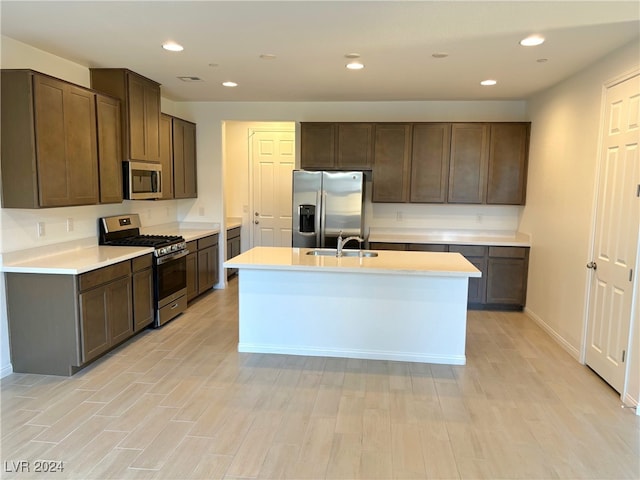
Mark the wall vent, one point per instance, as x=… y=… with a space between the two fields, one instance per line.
x=191 y=79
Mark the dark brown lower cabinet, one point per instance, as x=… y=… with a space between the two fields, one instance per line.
x=207 y=268
x=233 y=247
x=192 y=270
x=503 y=284
x=507 y=271
x=202 y=265
x=142 y=283
x=76 y=318
x=106 y=310
x=477 y=255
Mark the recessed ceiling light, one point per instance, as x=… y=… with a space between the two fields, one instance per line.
x=532 y=41
x=352 y=55
x=268 y=56
x=487 y=83
x=354 y=66
x=172 y=47
x=440 y=55
x=229 y=84
x=213 y=65
x=542 y=60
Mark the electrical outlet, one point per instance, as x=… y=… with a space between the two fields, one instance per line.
x=479 y=218
x=69 y=224
x=41 y=230
x=399 y=216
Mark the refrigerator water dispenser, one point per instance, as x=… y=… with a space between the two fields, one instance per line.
x=307 y=218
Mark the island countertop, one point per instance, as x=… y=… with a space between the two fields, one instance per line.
x=387 y=262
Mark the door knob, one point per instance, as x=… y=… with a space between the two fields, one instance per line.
x=257 y=214
x=592 y=265
x=256 y=222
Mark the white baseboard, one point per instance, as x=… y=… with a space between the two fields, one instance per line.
x=352 y=353
x=570 y=349
x=6 y=370
x=631 y=402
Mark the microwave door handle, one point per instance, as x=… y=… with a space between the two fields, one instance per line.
x=155 y=181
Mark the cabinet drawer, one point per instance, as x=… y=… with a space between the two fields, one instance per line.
x=233 y=233
x=469 y=250
x=192 y=246
x=428 y=247
x=140 y=263
x=508 y=252
x=103 y=275
x=208 y=241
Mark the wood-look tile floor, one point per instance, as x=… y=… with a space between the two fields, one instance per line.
x=180 y=403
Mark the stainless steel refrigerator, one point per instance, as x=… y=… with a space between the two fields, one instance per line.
x=324 y=204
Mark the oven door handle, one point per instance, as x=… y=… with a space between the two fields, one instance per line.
x=172 y=256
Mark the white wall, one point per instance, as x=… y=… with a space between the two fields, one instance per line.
x=561 y=196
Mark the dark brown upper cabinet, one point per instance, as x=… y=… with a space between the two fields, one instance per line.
x=468 y=162
x=391 y=165
x=185 y=183
x=317 y=145
x=49 y=142
x=166 y=155
x=508 y=158
x=355 y=142
x=336 y=146
x=431 y=143
x=109 y=148
x=140 y=99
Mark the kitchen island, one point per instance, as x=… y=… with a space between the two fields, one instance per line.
x=406 y=306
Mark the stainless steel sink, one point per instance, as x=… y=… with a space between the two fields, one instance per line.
x=331 y=252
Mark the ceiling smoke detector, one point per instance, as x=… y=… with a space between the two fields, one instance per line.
x=190 y=79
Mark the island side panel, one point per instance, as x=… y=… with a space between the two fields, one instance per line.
x=375 y=316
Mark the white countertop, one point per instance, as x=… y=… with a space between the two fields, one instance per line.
x=80 y=256
x=74 y=262
x=233 y=222
x=387 y=262
x=459 y=237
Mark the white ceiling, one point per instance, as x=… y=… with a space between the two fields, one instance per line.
x=396 y=40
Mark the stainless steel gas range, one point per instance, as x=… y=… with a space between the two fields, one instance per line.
x=169 y=265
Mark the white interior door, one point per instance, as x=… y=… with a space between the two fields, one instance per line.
x=616 y=235
x=273 y=159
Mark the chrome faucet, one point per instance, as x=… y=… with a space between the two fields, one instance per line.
x=342 y=243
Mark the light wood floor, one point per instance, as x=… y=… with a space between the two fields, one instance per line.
x=181 y=403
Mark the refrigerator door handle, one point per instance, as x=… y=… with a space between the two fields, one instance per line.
x=321 y=199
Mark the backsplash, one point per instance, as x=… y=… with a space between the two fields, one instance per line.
x=21 y=230
x=481 y=218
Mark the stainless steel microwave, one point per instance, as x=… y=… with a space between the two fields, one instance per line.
x=142 y=181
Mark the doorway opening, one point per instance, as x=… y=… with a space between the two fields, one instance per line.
x=259 y=159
